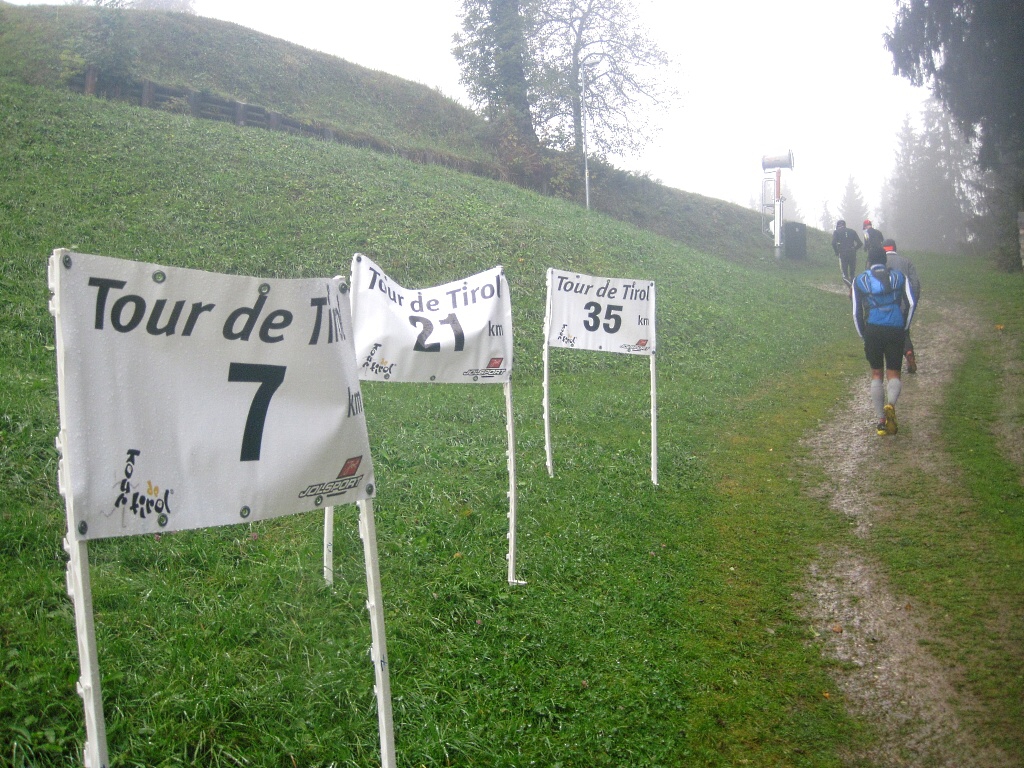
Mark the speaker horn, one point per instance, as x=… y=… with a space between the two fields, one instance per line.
x=779 y=161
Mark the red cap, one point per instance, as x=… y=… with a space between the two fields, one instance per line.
x=867 y=222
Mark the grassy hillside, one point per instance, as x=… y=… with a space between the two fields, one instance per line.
x=48 y=44
x=45 y=44
x=225 y=643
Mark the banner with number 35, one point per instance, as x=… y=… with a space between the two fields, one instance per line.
x=603 y=314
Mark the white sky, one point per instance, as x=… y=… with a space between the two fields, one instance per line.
x=755 y=78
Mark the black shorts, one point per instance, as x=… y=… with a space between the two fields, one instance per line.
x=884 y=344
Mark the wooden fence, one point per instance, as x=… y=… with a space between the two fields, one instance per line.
x=208 y=106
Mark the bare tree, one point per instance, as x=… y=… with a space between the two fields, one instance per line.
x=597 y=69
x=563 y=65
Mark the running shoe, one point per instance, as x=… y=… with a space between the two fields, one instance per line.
x=890 y=420
x=881 y=428
x=911 y=362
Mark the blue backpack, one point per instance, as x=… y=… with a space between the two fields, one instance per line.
x=881 y=290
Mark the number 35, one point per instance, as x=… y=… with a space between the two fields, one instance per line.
x=612 y=318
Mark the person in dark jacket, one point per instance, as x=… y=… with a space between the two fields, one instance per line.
x=845 y=244
x=894 y=260
x=872 y=237
x=883 y=307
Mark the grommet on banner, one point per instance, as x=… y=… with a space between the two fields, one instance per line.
x=66 y=261
x=369 y=489
x=83 y=528
x=159 y=276
x=264 y=289
x=244 y=512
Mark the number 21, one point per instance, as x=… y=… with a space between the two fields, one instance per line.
x=428 y=328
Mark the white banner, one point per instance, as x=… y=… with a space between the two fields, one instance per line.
x=454 y=333
x=604 y=314
x=191 y=399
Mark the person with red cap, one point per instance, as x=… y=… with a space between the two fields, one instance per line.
x=872 y=237
x=894 y=260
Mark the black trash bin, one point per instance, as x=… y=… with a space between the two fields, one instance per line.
x=794 y=240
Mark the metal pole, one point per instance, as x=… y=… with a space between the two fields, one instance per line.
x=778 y=214
x=583 y=117
x=512 y=492
x=329 y=545
x=379 y=646
x=547 y=395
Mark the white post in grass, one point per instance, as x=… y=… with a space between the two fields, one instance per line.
x=379 y=646
x=329 y=545
x=547 y=391
x=80 y=591
x=512 y=492
x=654 y=423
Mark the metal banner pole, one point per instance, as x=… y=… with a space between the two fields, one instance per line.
x=379 y=646
x=654 y=422
x=80 y=591
x=547 y=401
x=512 y=492
x=329 y=545
x=79 y=585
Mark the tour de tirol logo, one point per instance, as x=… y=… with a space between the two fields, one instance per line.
x=346 y=480
x=495 y=367
x=382 y=367
x=141 y=500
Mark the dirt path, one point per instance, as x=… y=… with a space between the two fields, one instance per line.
x=887 y=675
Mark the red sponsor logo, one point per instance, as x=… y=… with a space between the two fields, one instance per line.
x=351 y=467
x=496 y=362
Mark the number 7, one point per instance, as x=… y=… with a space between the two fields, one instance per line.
x=269 y=377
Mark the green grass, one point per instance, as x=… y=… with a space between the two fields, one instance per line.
x=659 y=626
x=964 y=560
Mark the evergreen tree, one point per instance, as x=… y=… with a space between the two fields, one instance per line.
x=826 y=220
x=493 y=53
x=929 y=199
x=969 y=52
x=852 y=207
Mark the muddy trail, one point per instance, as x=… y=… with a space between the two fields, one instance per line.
x=885 y=672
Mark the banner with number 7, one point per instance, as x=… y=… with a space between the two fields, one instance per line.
x=192 y=399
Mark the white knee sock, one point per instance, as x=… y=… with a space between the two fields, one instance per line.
x=878 y=398
x=893 y=388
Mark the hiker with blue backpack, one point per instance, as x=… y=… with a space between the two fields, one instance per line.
x=883 y=307
x=895 y=260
